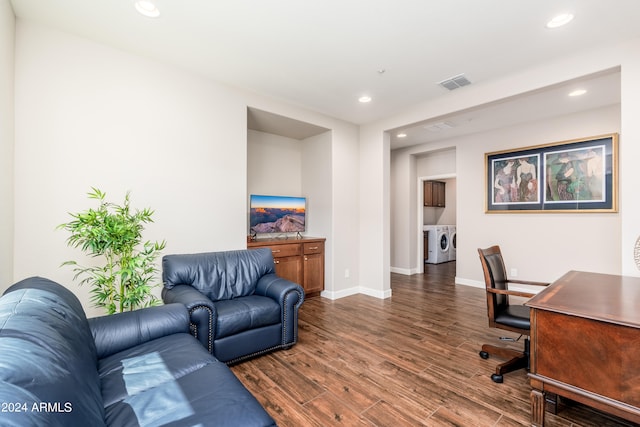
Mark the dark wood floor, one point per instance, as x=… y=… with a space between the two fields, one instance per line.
x=409 y=360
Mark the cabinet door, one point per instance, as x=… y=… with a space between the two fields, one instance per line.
x=428 y=193
x=434 y=194
x=438 y=194
x=313 y=273
x=426 y=245
x=289 y=268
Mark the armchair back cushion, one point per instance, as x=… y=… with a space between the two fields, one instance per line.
x=218 y=275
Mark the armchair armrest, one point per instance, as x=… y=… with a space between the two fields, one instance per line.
x=290 y=296
x=202 y=312
x=528 y=282
x=120 y=331
x=517 y=293
x=278 y=288
x=508 y=292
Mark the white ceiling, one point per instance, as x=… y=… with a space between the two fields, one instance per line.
x=265 y=121
x=603 y=89
x=324 y=54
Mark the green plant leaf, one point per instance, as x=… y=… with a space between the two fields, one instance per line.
x=112 y=232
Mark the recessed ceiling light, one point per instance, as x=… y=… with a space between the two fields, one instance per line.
x=401 y=135
x=147 y=8
x=578 y=92
x=364 y=99
x=560 y=20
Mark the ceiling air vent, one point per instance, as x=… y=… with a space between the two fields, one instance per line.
x=455 y=82
x=435 y=127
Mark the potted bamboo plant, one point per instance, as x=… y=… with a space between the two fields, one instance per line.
x=126 y=275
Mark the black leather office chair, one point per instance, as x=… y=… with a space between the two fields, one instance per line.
x=502 y=315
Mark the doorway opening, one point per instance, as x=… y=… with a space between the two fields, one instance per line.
x=440 y=242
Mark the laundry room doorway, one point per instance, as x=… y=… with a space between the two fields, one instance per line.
x=436 y=221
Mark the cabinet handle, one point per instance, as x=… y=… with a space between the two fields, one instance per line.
x=313 y=248
x=276 y=262
x=305 y=258
x=275 y=251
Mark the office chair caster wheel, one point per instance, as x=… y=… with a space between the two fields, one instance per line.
x=496 y=378
x=484 y=354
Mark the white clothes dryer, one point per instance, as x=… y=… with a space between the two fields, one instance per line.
x=452 y=242
x=438 y=243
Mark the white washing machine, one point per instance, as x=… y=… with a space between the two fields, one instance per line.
x=438 y=239
x=452 y=243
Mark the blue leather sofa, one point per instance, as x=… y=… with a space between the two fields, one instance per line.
x=238 y=307
x=138 y=368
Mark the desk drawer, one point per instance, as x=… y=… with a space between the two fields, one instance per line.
x=285 y=250
x=313 y=248
x=595 y=356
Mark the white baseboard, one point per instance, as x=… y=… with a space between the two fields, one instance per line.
x=404 y=271
x=334 y=295
x=375 y=293
x=355 y=290
x=469 y=282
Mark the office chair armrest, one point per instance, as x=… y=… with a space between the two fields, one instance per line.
x=513 y=293
x=528 y=282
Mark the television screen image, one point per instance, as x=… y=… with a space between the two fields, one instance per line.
x=277 y=214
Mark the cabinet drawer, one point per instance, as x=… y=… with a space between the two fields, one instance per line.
x=285 y=250
x=313 y=248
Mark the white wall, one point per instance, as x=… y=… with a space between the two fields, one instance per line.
x=345 y=244
x=89 y=115
x=285 y=166
x=402 y=191
x=274 y=164
x=557 y=241
x=86 y=114
x=627 y=57
x=436 y=163
x=629 y=153
x=409 y=168
x=540 y=246
x=316 y=185
x=525 y=237
x=375 y=212
x=7 y=39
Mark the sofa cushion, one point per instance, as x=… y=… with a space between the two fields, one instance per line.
x=241 y=314
x=174 y=381
x=47 y=350
x=218 y=275
x=173 y=354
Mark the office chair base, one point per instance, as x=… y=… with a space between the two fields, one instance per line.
x=515 y=360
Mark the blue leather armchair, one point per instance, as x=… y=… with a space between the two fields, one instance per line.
x=238 y=307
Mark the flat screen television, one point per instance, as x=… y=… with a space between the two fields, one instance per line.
x=277 y=214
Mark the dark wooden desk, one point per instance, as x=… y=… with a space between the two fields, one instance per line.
x=585 y=344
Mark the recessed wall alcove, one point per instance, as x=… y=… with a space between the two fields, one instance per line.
x=289 y=157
